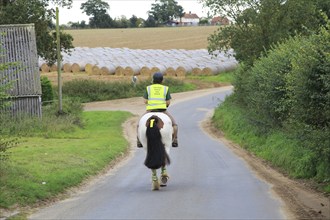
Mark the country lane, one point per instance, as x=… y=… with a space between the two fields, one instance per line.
x=207 y=180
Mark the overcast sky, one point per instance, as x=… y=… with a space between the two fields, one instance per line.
x=126 y=7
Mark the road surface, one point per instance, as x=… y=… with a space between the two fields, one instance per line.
x=208 y=181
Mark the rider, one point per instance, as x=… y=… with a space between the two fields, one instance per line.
x=157 y=98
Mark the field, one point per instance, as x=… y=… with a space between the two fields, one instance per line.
x=189 y=38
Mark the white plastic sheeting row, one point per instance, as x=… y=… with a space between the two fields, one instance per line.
x=125 y=61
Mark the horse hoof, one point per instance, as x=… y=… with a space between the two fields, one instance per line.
x=155 y=185
x=163 y=181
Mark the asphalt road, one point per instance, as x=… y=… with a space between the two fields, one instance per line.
x=207 y=181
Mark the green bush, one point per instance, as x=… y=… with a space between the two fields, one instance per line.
x=308 y=85
x=292 y=82
x=263 y=87
x=47 y=91
x=289 y=90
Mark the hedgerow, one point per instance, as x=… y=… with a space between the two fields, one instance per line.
x=288 y=89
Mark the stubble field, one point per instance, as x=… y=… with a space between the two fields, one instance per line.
x=189 y=38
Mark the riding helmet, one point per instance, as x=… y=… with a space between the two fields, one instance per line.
x=158 y=77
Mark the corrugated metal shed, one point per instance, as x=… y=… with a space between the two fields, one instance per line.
x=18 y=47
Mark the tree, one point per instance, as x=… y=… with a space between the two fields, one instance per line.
x=124 y=23
x=150 y=22
x=73 y=25
x=98 y=10
x=164 y=11
x=120 y=22
x=204 y=21
x=133 y=21
x=83 y=24
x=35 y=11
x=260 y=24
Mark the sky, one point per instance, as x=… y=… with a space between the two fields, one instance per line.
x=126 y=7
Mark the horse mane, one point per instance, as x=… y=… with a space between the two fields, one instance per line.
x=156 y=153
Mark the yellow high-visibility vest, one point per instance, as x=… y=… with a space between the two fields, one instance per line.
x=157 y=96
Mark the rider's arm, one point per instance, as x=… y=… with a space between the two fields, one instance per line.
x=145 y=97
x=168 y=98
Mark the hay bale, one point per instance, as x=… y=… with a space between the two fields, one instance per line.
x=207 y=71
x=89 y=68
x=170 y=71
x=132 y=70
x=76 y=67
x=96 y=70
x=119 y=71
x=67 y=67
x=196 y=71
x=145 y=71
x=105 y=70
x=44 y=68
x=185 y=66
x=40 y=62
x=229 y=66
x=161 y=67
x=111 y=67
x=154 y=70
x=128 y=71
x=180 y=71
x=53 y=68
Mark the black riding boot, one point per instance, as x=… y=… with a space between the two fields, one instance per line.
x=175 y=136
x=139 y=145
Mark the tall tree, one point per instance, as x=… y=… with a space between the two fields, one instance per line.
x=258 y=24
x=121 y=22
x=133 y=21
x=98 y=10
x=38 y=13
x=164 y=11
x=150 y=22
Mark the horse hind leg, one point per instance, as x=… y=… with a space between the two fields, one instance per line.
x=164 y=177
x=155 y=183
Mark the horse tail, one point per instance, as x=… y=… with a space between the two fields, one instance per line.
x=156 y=153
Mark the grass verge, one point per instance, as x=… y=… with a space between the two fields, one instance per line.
x=275 y=146
x=225 y=77
x=42 y=167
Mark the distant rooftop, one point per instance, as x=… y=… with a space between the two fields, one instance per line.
x=190 y=15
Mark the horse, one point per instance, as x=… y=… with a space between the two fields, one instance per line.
x=155 y=134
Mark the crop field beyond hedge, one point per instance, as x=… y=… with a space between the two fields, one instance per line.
x=189 y=38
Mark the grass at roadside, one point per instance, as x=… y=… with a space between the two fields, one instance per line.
x=41 y=167
x=275 y=146
x=225 y=77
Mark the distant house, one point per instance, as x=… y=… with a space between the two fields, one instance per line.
x=189 y=19
x=219 y=21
